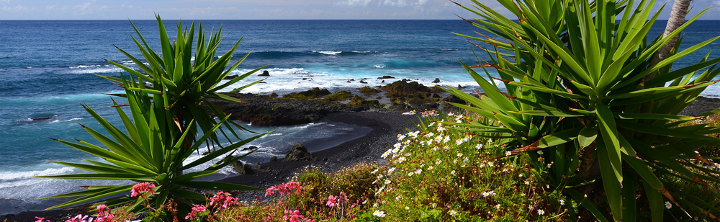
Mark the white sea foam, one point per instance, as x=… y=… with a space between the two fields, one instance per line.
x=84 y=66
x=14 y=175
x=51 y=99
x=65 y=120
x=94 y=70
x=328 y=52
x=285 y=80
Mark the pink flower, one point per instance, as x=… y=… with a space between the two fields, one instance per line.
x=101 y=209
x=40 y=219
x=196 y=210
x=332 y=201
x=105 y=218
x=284 y=189
x=293 y=215
x=104 y=214
x=80 y=218
x=142 y=188
x=336 y=200
x=223 y=198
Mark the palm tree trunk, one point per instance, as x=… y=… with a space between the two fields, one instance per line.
x=677 y=18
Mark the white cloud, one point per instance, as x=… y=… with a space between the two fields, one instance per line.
x=356 y=2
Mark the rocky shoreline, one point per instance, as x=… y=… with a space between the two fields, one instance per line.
x=379 y=108
x=314 y=104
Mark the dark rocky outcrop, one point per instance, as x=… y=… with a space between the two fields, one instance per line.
x=338 y=96
x=409 y=95
x=313 y=93
x=312 y=105
x=298 y=152
x=264 y=73
x=358 y=101
x=437 y=80
x=386 y=77
x=267 y=111
x=365 y=90
x=406 y=88
x=244 y=168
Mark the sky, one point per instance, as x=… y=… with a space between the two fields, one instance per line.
x=260 y=9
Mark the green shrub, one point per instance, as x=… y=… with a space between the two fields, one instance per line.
x=440 y=174
x=579 y=87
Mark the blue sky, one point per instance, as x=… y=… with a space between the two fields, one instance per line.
x=257 y=9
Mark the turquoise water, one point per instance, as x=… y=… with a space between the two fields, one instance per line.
x=47 y=67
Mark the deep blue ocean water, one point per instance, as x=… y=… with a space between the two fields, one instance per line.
x=47 y=67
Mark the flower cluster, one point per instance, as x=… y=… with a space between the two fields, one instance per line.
x=428 y=168
x=284 y=189
x=197 y=210
x=142 y=188
x=292 y=215
x=336 y=200
x=379 y=213
x=80 y=218
x=222 y=199
x=429 y=113
x=104 y=214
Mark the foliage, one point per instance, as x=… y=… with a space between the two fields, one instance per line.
x=353 y=185
x=312 y=195
x=440 y=174
x=167 y=100
x=575 y=87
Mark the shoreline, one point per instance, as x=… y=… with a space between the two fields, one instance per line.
x=368 y=148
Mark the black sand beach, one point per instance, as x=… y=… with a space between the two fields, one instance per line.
x=385 y=126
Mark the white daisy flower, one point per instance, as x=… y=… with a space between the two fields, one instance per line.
x=379 y=213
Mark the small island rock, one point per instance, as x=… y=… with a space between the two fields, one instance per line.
x=298 y=152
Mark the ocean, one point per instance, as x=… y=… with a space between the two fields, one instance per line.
x=47 y=71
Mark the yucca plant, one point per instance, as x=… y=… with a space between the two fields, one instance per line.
x=184 y=80
x=574 y=86
x=171 y=119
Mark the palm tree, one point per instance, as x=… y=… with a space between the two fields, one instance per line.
x=677 y=18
